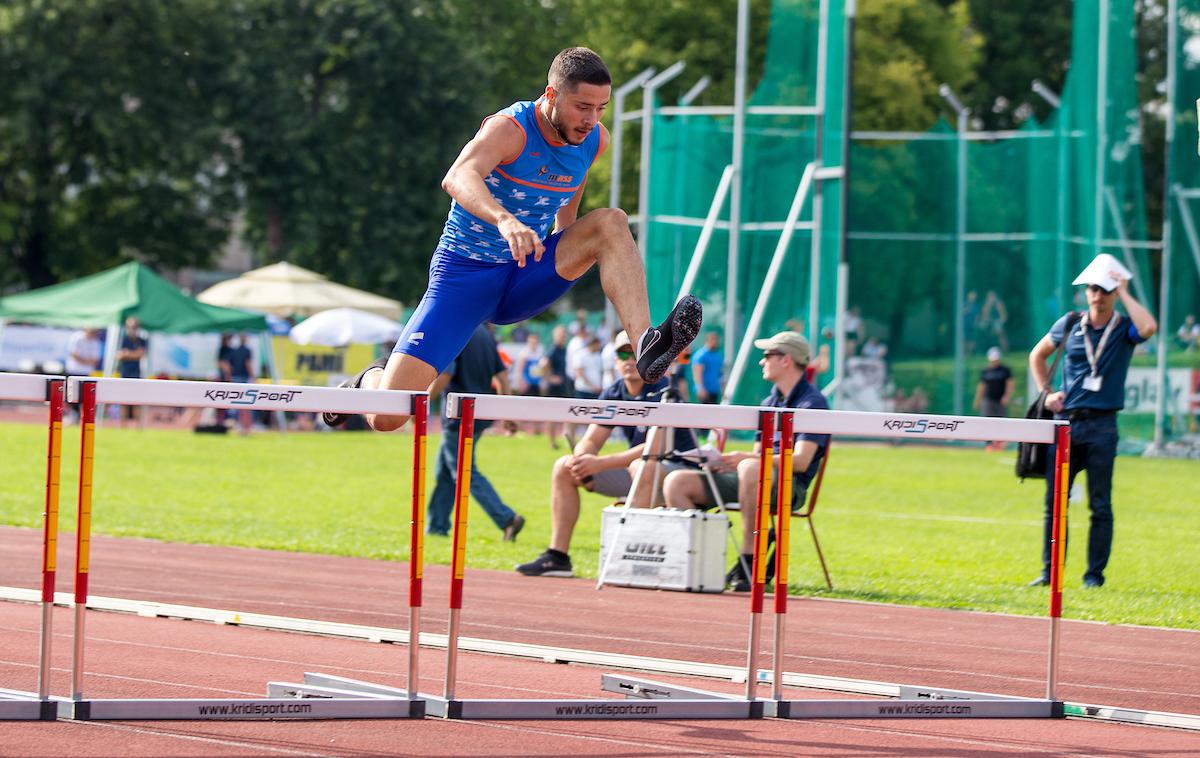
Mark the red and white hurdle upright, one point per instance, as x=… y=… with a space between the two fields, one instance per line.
x=17 y=704
x=319 y=696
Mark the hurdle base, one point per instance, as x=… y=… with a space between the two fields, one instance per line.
x=16 y=705
x=589 y=709
x=650 y=689
x=242 y=709
x=996 y=708
x=317 y=685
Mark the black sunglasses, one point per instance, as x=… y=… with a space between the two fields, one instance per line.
x=624 y=355
x=1098 y=288
x=767 y=354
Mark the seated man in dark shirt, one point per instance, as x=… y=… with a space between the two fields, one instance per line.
x=610 y=474
x=785 y=359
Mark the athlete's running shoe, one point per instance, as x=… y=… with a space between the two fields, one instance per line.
x=549 y=563
x=337 y=419
x=662 y=344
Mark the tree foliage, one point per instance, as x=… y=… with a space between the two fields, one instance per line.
x=108 y=150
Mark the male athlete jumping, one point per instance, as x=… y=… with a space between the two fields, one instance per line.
x=524 y=172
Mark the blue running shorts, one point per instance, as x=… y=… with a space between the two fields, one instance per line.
x=464 y=293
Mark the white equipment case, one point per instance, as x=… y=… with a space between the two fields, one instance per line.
x=665 y=549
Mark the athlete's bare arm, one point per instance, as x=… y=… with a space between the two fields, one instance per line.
x=497 y=141
x=570 y=212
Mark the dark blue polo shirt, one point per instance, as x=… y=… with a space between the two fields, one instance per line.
x=803 y=395
x=473 y=370
x=685 y=439
x=1112 y=365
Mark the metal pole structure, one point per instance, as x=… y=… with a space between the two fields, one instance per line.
x=760 y=305
x=618 y=132
x=960 y=245
x=618 y=141
x=1101 y=125
x=839 y=343
x=818 y=203
x=839 y=358
x=732 y=337
x=694 y=92
x=706 y=232
x=648 y=91
x=1164 y=297
x=1060 y=242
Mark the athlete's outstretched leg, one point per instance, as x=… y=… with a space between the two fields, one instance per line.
x=602 y=237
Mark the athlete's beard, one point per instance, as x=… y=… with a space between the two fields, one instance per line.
x=557 y=127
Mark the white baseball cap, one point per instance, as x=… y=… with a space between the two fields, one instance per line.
x=1100 y=272
x=994 y=354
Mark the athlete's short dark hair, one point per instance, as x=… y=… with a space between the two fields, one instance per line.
x=577 y=65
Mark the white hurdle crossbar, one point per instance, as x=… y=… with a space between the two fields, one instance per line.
x=36 y=388
x=672 y=701
x=316 y=700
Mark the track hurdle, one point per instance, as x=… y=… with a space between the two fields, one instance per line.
x=318 y=697
x=700 y=705
x=16 y=704
x=914 y=702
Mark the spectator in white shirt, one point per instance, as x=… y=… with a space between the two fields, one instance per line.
x=84 y=352
x=589 y=370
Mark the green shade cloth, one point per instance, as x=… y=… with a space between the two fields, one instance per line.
x=132 y=289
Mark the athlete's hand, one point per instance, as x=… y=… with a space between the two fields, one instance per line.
x=522 y=240
x=1054 y=401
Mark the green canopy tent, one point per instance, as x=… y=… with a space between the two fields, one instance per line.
x=132 y=289
x=106 y=299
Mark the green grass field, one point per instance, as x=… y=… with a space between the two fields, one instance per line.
x=932 y=526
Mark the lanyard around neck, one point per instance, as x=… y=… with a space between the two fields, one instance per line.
x=1093 y=354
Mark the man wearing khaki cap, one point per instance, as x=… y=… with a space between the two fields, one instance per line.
x=784 y=360
x=1099 y=346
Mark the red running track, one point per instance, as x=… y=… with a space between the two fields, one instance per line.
x=129 y=656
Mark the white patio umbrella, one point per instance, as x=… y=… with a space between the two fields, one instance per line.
x=342 y=326
x=287 y=290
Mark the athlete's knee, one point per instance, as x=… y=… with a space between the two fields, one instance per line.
x=387 y=423
x=610 y=221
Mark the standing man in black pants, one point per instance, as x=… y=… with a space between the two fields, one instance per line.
x=1099 y=347
x=473 y=371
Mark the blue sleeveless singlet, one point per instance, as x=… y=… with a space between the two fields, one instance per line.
x=532 y=187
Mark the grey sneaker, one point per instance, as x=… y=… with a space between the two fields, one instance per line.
x=514 y=528
x=549 y=563
x=337 y=419
x=660 y=346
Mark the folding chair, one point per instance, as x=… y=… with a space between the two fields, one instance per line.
x=805 y=511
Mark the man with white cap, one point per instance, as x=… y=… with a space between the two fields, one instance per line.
x=784 y=360
x=994 y=390
x=1099 y=345
x=611 y=474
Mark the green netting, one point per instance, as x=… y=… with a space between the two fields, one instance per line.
x=1183 y=174
x=691 y=152
x=1040 y=202
x=1033 y=219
